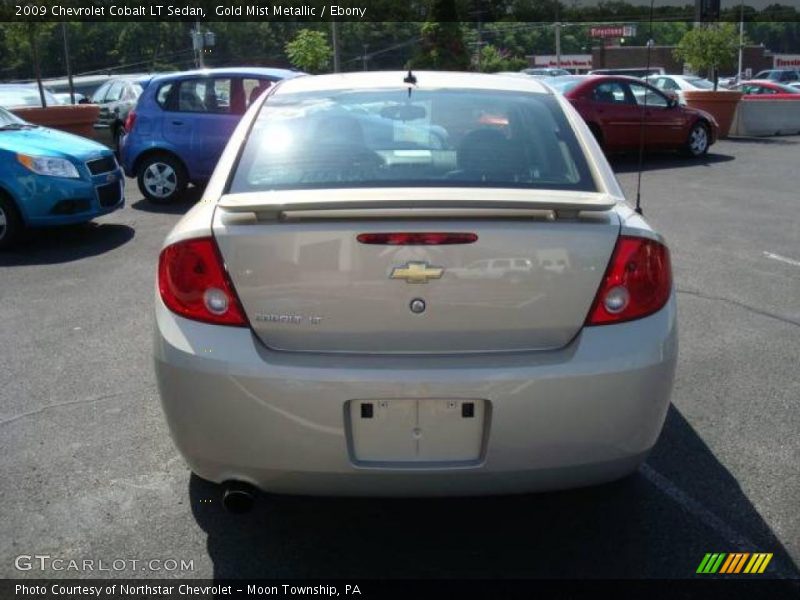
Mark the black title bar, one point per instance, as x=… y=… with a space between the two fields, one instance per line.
x=594 y=11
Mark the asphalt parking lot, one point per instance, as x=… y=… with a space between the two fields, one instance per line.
x=88 y=469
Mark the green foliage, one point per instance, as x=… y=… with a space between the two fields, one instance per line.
x=494 y=60
x=708 y=48
x=442 y=45
x=309 y=51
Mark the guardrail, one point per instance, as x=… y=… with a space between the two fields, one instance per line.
x=766 y=117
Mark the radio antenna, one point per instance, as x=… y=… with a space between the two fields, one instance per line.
x=644 y=111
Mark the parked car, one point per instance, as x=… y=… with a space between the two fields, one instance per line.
x=49 y=177
x=545 y=72
x=767 y=90
x=311 y=336
x=614 y=108
x=66 y=98
x=778 y=75
x=639 y=72
x=116 y=98
x=182 y=122
x=85 y=85
x=15 y=95
x=675 y=85
x=728 y=82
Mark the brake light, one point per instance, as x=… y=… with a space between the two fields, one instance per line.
x=130 y=121
x=637 y=283
x=193 y=283
x=417 y=238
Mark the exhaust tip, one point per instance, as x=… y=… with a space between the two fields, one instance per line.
x=238 y=497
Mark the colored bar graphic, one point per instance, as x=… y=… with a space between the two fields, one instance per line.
x=717 y=563
x=703 y=563
x=765 y=563
x=752 y=562
x=728 y=562
x=734 y=563
x=711 y=563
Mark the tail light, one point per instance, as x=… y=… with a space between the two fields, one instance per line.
x=130 y=121
x=193 y=283
x=637 y=283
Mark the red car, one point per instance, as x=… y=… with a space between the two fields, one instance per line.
x=761 y=89
x=614 y=106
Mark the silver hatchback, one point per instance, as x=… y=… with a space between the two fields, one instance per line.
x=324 y=325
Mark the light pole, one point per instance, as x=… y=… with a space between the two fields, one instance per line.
x=558 y=44
x=66 y=62
x=741 y=40
x=200 y=40
x=335 y=39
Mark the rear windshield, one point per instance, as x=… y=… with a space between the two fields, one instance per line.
x=384 y=138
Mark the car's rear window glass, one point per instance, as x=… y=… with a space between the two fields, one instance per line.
x=386 y=138
x=564 y=84
x=205 y=95
x=163 y=95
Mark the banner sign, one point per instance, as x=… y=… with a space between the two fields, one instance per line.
x=568 y=61
x=787 y=61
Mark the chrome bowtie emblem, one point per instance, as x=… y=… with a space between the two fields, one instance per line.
x=416 y=272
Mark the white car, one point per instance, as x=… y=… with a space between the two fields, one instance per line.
x=676 y=85
x=312 y=333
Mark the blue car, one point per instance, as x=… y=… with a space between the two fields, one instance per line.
x=49 y=177
x=183 y=121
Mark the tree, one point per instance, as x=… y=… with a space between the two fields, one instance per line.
x=309 y=51
x=442 y=45
x=709 y=48
x=494 y=60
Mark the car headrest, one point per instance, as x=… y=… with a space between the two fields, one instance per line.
x=488 y=153
x=340 y=130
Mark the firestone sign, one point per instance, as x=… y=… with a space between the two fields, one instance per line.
x=615 y=31
x=786 y=61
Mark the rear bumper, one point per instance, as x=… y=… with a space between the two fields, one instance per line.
x=585 y=414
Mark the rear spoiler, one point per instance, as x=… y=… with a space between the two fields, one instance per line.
x=366 y=202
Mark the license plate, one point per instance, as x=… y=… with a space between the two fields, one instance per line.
x=433 y=430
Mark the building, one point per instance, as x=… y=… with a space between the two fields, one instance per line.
x=756 y=58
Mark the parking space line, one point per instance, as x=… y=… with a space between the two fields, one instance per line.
x=783 y=259
x=695 y=508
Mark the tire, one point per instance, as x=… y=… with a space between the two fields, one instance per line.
x=11 y=225
x=162 y=178
x=698 y=142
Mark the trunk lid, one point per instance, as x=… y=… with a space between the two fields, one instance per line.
x=307 y=283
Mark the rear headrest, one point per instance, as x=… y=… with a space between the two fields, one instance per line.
x=487 y=152
x=340 y=130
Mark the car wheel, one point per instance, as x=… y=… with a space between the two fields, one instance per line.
x=697 y=144
x=11 y=225
x=161 y=178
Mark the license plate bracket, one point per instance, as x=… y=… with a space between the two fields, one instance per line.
x=416 y=431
